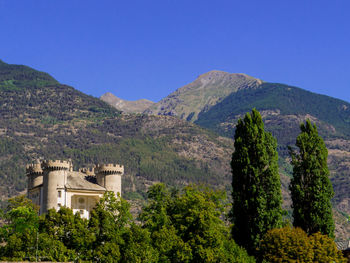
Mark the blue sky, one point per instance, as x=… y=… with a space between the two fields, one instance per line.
x=148 y=49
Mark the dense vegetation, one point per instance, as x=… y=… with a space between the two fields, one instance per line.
x=256 y=186
x=176 y=226
x=311 y=189
x=283 y=108
x=294 y=245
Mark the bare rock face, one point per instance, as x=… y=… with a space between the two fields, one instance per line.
x=206 y=91
x=137 y=106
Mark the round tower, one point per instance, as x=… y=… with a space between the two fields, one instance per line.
x=34 y=174
x=54 y=176
x=109 y=176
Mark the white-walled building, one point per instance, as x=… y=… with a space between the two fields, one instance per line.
x=53 y=184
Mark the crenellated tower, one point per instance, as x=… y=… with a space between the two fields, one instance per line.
x=34 y=174
x=54 y=177
x=109 y=176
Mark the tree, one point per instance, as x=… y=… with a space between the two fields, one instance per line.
x=109 y=221
x=310 y=187
x=286 y=245
x=19 y=230
x=67 y=234
x=256 y=186
x=294 y=245
x=186 y=226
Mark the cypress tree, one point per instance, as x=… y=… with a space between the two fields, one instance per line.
x=256 y=186
x=310 y=187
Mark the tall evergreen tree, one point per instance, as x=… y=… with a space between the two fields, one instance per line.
x=256 y=186
x=310 y=186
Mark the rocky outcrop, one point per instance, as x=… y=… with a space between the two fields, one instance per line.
x=137 y=106
x=203 y=93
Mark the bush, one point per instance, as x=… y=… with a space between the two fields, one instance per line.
x=294 y=245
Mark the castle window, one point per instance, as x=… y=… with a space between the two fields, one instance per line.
x=81 y=200
x=59 y=205
x=81 y=211
x=59 y=193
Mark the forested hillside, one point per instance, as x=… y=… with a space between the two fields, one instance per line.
x=41 y=118
x=283 y=108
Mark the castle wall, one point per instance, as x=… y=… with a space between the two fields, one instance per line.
x=113 y=182
x=52 y=181
x=109 y=176
x=47 y=185
x=82 y=202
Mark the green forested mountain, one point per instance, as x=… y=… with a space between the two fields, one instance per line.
x=283 y=108
x=41 y=118
x=274 y=99
x=218 y=99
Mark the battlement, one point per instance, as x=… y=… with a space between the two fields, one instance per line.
x=109 y=168
x=34 y=168
x=87 y=171
x=57 y=164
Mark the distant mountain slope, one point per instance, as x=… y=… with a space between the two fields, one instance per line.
x=137 y=106
x=281 y=106
x=199 y=96
x=41 y=118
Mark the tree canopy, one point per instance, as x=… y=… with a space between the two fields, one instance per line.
x=311 y=189
x=256 y=187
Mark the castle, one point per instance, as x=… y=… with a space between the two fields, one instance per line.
x=53 y=183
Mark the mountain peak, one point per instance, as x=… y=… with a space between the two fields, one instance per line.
x=200 y=95
x=222 y=75
x=23 y=73
x=127 y=106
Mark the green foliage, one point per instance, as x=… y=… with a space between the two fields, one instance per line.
x=256 y=187
x=310 y=187
x=177 y=226
x=286 y=245
x=138 y=246
x=294 y=245
x=19 y=231
x=325 y=249
x=185 y=226
x=108 y=223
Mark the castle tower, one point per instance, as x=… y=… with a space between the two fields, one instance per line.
x=109 y=176
x=54 y=177
x=34 y=175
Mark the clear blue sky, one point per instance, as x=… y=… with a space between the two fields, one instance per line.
x=149 y=48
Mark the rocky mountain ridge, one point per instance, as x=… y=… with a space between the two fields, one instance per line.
x=127 y=106
x=200 y=95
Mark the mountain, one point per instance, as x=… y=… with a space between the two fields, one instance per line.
x=200 y=95
x=283 y=107
x=137 y=106
x=41 y=118
x=216 y=100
